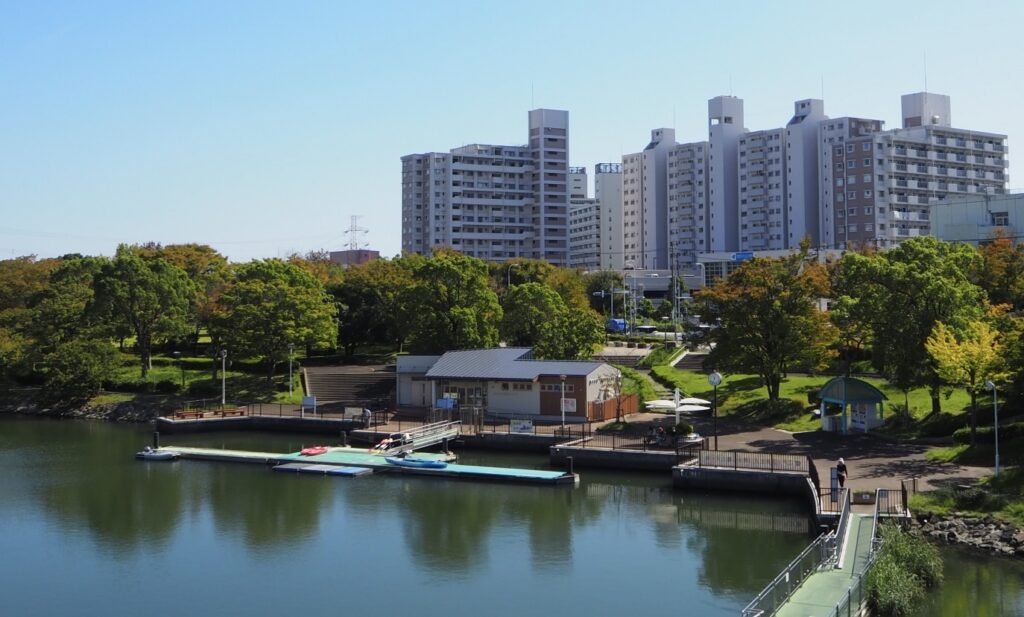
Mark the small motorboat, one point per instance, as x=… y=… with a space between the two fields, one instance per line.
x=422 y=463
x=313 y=451
x=149 y=454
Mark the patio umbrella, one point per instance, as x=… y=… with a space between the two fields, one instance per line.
x=689 y=407
x=660 y=404
x=694 y=401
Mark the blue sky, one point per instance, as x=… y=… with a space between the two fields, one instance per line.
x=260 y=128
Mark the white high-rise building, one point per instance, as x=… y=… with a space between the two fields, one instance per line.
x=490 y=201
x=645 y=203
x=802 y=173
x=592 y=245
x=761 y=159
x=725 y=126
x=687 y=202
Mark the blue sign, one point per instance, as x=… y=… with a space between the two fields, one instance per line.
x=742 y=256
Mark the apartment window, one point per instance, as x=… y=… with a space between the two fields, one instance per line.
x=867 y=193
x=839 y=197
x=869 y=227
x=839 y=181
x=849 y=148
x=851 y=180
x=839 y=151
x=851 y=228
x=850 y=164
x=867 y=146
x=851 y=195
x=852 y=211
x=867 y=162
x=867 y=177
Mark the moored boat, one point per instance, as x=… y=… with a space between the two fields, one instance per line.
x=314 y=450
x=422 y=463
x=149 y=454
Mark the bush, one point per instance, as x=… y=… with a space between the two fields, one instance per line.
x=905 y=568
x=813 y=398
x=987 y=434
x=977 y=499
x=166 y=386
x=684 y=428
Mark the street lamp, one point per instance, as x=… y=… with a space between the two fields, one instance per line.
x=223 y=376
x=562 y=377
x=995 y=412
x=177 y=356
x=714 y=379
x=508 y=275
x=291 y=349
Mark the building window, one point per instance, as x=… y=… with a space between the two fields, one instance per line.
x=851 y=195
x=867 y=210
x=867 y=146
x=1000 y=219
x=850 y=164
x=867 y=193
x=849 y=148
x=867 y=162
x=839 y=181
x=851 y=228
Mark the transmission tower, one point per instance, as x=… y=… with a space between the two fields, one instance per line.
x=355 y=233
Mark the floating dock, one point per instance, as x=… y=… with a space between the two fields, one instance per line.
x=346 y=457
x=330 y=470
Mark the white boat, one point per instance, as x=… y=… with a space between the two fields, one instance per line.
x=149 y=454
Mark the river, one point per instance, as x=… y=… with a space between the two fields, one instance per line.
x=85 y=529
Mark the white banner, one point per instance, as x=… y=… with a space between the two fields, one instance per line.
x=521 y=426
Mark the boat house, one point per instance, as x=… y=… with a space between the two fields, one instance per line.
x=508 y=382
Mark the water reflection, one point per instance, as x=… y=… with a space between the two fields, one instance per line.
x=977 y=585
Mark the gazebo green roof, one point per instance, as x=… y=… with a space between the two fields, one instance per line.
x=850 y=390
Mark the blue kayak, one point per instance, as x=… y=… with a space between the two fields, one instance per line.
x=416 y=462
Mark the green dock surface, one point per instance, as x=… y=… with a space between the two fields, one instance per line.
x=823 y=590
x=360 y=457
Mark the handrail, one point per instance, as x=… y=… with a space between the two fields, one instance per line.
x=792 y=575
x=839 y=552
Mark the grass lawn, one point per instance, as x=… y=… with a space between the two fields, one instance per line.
x=1002 y=498
x=743 y=396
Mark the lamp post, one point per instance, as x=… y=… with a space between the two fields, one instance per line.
x=562 y=377
x=995 y=412
x=291 y=349
x=223 y=376
x=508 y=276
x=714 y=379
x=177 y=356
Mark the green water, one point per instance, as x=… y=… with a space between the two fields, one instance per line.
x=977 y=585
x=85 y=529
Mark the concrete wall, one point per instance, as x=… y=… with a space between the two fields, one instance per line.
x=616 y=459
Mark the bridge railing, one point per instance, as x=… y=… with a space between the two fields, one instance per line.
x=782 y=587
x=754 y=461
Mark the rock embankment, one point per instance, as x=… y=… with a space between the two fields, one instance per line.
x=123 y=411
x=985 y=534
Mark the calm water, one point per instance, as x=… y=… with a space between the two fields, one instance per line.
x=87 y=530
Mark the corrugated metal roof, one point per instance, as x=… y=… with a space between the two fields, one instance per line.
x=504 y=363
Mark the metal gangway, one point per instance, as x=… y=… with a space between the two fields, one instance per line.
x=424 y=436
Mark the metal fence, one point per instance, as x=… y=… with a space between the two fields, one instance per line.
x=856 y=595
x=754 y=461
x=782 y=587
x=642 y=443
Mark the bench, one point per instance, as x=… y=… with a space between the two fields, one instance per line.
x=190 y=414
x=238 y=411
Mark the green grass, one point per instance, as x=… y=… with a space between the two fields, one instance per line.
x=1002 y=498
x=744 y=396
x=635 y=382
x=108 y=398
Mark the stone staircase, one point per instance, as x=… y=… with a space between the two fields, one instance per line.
x=692 y=362
x=354 y=386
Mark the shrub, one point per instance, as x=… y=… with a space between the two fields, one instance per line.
x=987 y=434
x=684 y=428
x=813 y=398
x=905 y=567
x=977 y=499
x=166 y=386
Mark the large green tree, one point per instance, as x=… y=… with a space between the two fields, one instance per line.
x=451 y=305
x=1000 y=271
x=148 y=294
x=209 y=272
x=270 y=305
x=570 y=335
x=902 y=293
x=526 y=308
x=769 y=320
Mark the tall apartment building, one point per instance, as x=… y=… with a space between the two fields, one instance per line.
x=590 y=245
x=802 y=173
x=725 y=126
x=761 y=158
x=492 y=202
x=645 y=203
x=687 y=202
x=880 y=185
x=608 y=193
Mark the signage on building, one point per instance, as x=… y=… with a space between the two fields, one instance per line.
x=742 y=256
x=521 y=426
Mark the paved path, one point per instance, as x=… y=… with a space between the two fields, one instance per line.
x=873 y=462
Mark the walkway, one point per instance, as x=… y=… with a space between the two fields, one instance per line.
x=823 y=590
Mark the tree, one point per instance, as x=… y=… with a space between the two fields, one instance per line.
x=769 y=320
x=1000 y=272
x=966 y=361
x=451 y=305
x=270 y=305
x=147 y=293
x=599 y=287
x=75 y=370
x=209 y=272
x=319 y=264
x=569 y=286
x=571 y=335
x=526 y=308
x=66 y=310
x=902 y=293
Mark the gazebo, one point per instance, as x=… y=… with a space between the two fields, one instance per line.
x=863 y=400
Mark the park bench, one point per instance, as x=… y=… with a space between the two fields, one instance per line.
x=189 y=414
x=237 y=411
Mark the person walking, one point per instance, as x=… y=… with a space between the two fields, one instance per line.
x=841 y=472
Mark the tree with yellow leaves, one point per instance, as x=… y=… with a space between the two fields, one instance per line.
x=967 y=361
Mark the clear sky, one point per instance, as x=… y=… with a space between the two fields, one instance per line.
x=261 y=128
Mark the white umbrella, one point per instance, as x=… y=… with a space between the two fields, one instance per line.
x=660 y=404
x=692 y=408
x=694 y=401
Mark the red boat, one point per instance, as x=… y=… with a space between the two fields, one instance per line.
x=313 y=450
